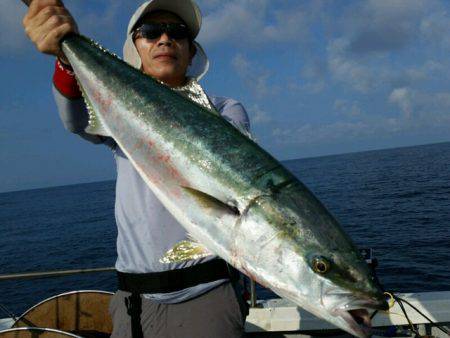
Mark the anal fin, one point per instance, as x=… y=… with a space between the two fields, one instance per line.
x=184 y=251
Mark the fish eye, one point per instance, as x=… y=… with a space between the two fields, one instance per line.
x=320 y=265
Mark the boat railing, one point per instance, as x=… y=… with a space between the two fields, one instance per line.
x=277 y=315
x=52 y=273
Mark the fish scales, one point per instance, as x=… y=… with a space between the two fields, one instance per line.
x=232 y=196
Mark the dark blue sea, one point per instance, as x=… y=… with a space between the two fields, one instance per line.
x=395 y=201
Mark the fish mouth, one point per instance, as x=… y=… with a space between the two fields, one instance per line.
x=353 y=309
x=358 y=321
x=356 y=315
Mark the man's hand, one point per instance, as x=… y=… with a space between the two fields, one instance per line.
x=46 y=23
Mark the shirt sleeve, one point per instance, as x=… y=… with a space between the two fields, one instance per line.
x=71 y=107
x=234 y=112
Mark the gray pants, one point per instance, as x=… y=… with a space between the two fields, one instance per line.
x=215 y=314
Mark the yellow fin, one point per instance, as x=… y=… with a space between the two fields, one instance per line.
x=184 y=251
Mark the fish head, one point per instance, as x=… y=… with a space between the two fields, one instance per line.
x=344 y=289
x=315 y=263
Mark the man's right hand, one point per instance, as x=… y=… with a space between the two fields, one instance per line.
x=46 y=23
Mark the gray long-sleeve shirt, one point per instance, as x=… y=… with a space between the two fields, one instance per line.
x=146 y=230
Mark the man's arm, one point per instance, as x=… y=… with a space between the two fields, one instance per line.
x=46 y=23
x=71 y=106
x=234 y=112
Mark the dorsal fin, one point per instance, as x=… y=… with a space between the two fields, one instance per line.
x=212 y=202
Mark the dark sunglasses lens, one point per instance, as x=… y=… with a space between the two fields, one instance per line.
x=177 y=31
x=150 y=31
x=153 y=31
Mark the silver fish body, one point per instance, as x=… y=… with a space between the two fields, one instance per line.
x=229 y=194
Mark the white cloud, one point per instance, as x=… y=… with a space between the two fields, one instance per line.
x=415 y=75
x=241 y=63
x=258 y=115
x=381 y=42
x=256 y=22
x=346 y=69
x=206 y=5
x=420 y=109
x=108 y=19
x=435 y=27
x=254 y=77
x=12 y=37
x=383 y=25
x=291 y=24
x=347 y=108
x=313 y=74
x=403 y=98
x=234 y=21
x=418 y=113
x=99 y=22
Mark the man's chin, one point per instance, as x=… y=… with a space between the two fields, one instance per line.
x=168 y=76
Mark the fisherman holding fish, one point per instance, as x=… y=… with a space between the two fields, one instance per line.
x=176 y=154
x=197 y=297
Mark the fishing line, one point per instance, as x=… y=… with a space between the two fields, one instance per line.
x=407 y=318
x=422 y=314
x=7 y=312
x=400 y=302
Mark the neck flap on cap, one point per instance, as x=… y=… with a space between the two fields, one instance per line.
x=200 y=63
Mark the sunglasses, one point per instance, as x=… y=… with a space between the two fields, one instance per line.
x=177 y=31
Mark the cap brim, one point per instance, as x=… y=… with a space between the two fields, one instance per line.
x=186 y=10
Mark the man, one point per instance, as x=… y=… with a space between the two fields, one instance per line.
x=194 y=298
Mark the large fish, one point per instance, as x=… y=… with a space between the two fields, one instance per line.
x=230 y=195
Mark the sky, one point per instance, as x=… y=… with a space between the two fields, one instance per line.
x=316 y=78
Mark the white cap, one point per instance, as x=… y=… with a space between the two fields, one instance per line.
x=189 y=12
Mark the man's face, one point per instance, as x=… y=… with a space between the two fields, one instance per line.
x=164 y=58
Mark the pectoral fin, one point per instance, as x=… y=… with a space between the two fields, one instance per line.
x=210 y=202
x=185 y=250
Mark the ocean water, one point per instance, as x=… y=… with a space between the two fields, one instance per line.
x=395 y=201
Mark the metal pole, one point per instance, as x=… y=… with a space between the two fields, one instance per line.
x=54 y=273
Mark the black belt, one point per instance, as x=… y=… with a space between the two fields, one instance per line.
x=168 y=281
x=174 y=280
